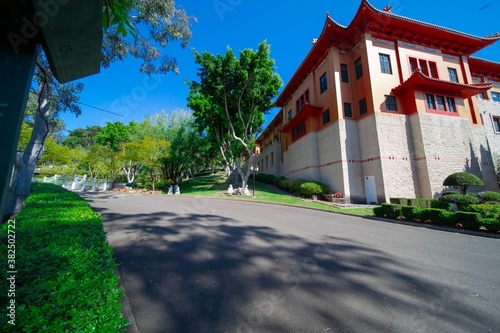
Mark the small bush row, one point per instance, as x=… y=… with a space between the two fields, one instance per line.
x=478 y=216
x=66 y=277
x=307 y=188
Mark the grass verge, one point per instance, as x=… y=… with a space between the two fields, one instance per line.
x=216 y=186
x=65 y=278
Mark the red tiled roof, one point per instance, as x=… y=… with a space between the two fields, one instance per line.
x=419 y=80
x=481 y=67
x=386 y=25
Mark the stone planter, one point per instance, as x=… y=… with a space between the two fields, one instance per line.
x=333 y=199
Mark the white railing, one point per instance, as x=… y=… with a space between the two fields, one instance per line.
x=76 y=183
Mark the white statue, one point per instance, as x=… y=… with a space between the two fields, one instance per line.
x=230 y=190
x=246 y=191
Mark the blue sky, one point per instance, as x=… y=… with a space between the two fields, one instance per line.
x=288 y=27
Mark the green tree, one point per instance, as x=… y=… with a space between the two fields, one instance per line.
x=141 y=28
x=105 y=161
x=152 y=152
x=462 y=180
x=231 y=98
x=82 y=137
x=51 y=99
x=113 y=135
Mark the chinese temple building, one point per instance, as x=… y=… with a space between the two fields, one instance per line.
x=387 y=107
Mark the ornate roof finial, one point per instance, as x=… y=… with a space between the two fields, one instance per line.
x=387 y=9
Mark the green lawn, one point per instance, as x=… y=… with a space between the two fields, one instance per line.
x=215 y=186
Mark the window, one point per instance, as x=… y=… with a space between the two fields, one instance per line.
x=453 y=74
x=289 y=115
x=495 y=97
x=428 y=68
x=441 y=103
x=362 y=106
x=359 y=68
x=451 y=104
x=347 y=110
x=323 y=83
x=385 y=63
x=431 y=102
x=413 y=64
x=299 y=131
x=496 y=124
x=272 y=159
x=344 y=73
x=300 y=102
x=390 y=103
x=326 y=116
x=423 y=67
x=433 y=70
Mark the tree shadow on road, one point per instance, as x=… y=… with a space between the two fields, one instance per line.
x=196 y=272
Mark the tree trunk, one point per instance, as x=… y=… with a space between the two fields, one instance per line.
x=26 y=161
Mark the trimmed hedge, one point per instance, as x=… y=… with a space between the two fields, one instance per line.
x=468 y=219
x=489 y=196
x=486 y=215
x=277 y=180
x=286 y=185
x=399 y=201
x=461 y=200
x=296 y=185
x=66 y=277
x=487 y=210
x=492 y=224
x=391 y=210
x=309 y=189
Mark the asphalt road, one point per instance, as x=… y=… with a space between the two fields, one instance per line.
x=203 y=265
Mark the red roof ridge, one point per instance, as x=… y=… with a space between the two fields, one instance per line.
x=484 y=60
x=418 y=72
x=389 y=13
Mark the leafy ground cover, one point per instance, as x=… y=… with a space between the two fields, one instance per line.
x=65 y=276
x=216 y=186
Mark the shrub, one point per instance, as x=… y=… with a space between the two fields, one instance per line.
x=489 y=196
x=486 y=210
x=462 y=180
x=468 y=220
x=492 y=224
x=296 y=185
x=437 y=216
x=419 y=214
x=309 y=189
x=67 y=281
x=409 y=212
x=286 y=184
x=399 y=201
x=325 y=189
x=441 y=205
x=378 y=211
x=260 y=177
x=269 y=179
x=277 y=180
x=459 y=199
x=391 y=210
